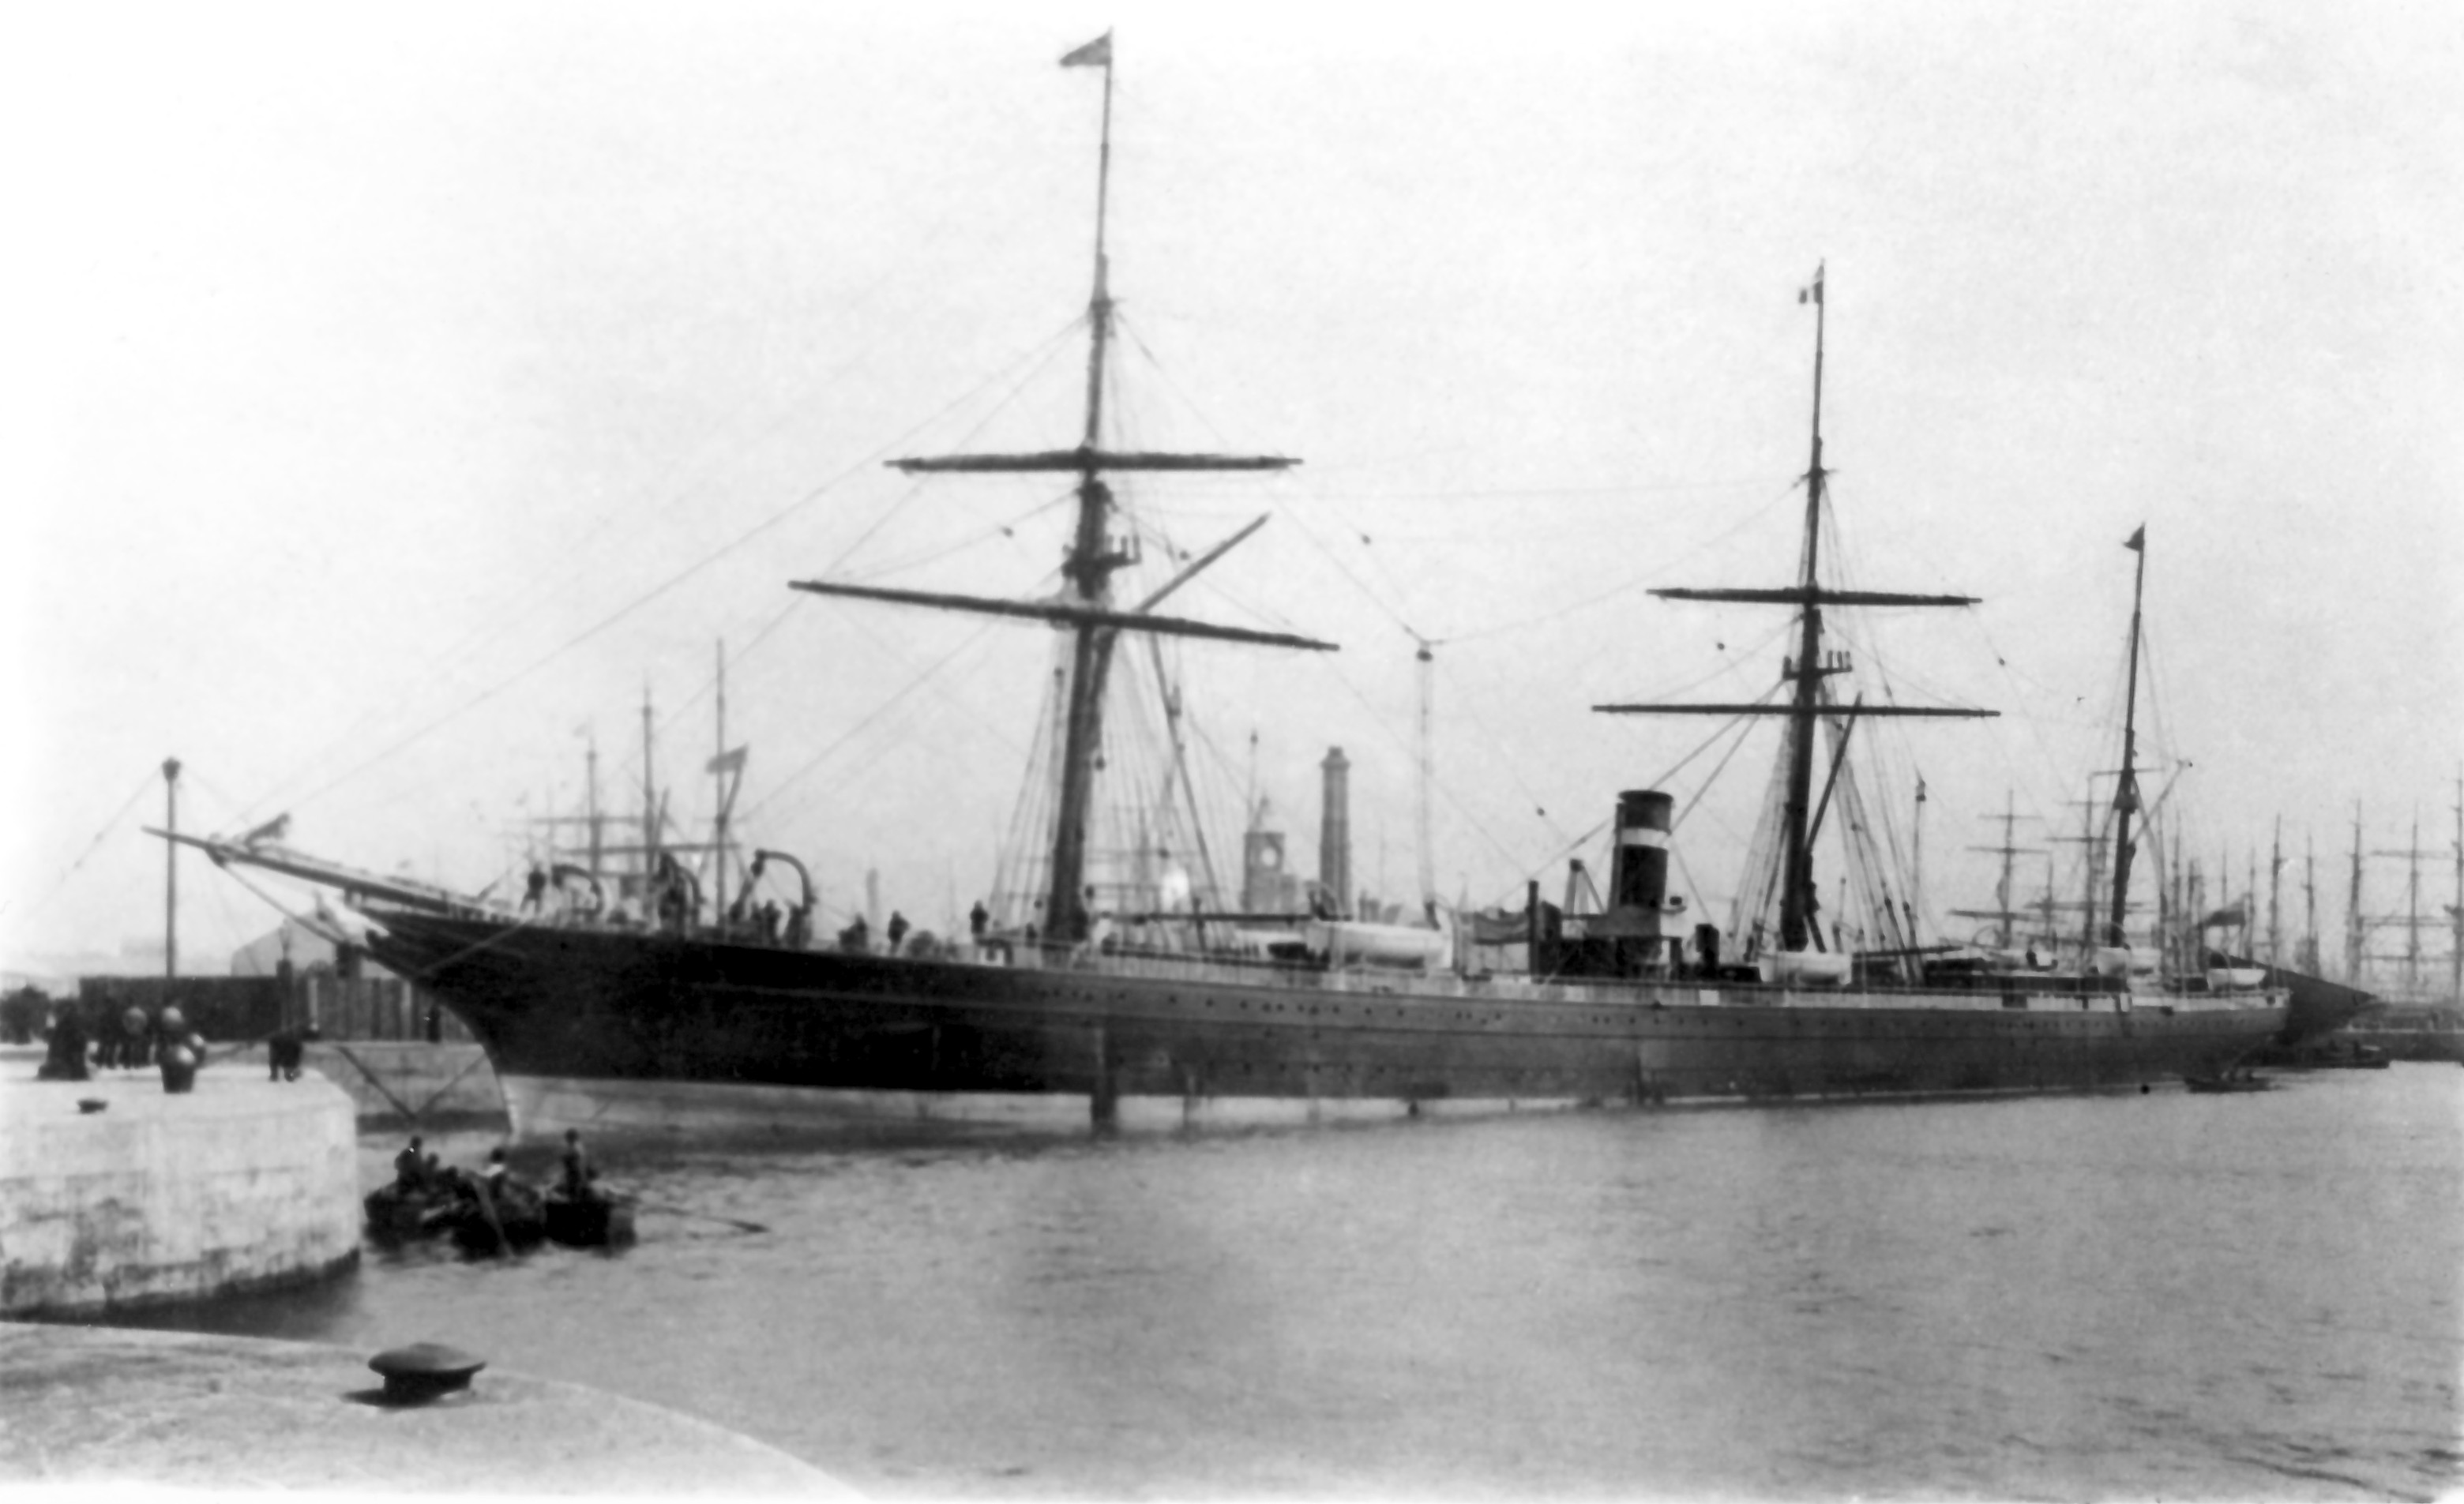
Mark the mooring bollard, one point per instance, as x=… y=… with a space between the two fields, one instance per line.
x=422 y=1371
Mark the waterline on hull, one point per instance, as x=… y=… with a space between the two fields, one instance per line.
x=542 y=1108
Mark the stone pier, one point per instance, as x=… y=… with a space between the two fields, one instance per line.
x=98 y=1411
x=242 y=1183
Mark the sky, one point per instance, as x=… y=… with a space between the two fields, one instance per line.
x=400 y=396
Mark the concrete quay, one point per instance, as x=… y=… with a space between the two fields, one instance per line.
x=241 y=1184
x=90 y=1409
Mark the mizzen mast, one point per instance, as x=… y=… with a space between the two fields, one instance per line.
x=1807 y=702
x=1087 y=609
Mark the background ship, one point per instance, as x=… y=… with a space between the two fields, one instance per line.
x=696 y=1019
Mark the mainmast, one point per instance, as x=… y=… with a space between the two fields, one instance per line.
x=1797 y=872
x=1089 y=568
x=1088 y=610
x=1805 y=672
x=2125 y=789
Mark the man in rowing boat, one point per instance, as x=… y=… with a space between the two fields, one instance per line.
x=577 y=1166
x=409 y=1168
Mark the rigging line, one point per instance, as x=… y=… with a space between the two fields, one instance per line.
x=1584 y=604
x=1298 y=519
x=109 y=828
x=877 y=712
x=1049 y=348
x=761 y=634
x=1735 y=664
x=1703 y=790
x=206 y=787
x=671 y=582
x=1514 y=767
x=1403 y=744
x=309 y=920
x=998 y=528
x=1396 y=616
x=1663 y=572
x=1489 y=493
x=712 y=442
x=1533 y=874
x=1045 y=349
x=471 y=641
x=693 y=701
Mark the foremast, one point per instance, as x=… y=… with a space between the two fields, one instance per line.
x=1086 y=608
x=1807 y=702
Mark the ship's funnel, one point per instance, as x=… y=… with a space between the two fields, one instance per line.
x=1639 y=878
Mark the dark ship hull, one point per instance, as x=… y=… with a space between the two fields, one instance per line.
x=602 y=1030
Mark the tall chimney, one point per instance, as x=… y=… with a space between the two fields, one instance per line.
x=1334 y=830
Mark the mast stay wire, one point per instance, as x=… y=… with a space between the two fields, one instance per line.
x=1738 y=724
x=909 y=493
x=1401 y=623
x=1514 y=767
x=765 y=525
x=110 y=827
x=1138 y=341
x=1397 y=616
x=877 y=712
x=1301 y=521
x=480 y=636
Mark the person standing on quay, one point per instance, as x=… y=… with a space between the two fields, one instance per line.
x=136 y=1039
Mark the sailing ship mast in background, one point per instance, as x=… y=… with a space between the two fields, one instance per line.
x=2455 y=909
x=2125 y=792
x=2353 y=924
x=1808 y=701
x=2006 y=928
x=2276 y=895
x=1087 y=611
x=2409 y=920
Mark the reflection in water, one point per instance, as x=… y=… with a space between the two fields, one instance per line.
x=2237 y=1297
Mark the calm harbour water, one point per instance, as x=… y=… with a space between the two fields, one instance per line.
x=2124 y=1297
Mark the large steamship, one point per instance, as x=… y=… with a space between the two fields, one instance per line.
x=692 y=1023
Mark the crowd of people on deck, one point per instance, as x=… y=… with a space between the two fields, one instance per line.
x=671 y=899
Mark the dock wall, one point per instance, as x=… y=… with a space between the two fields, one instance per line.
x=394 y=1085
x=241 y=1184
